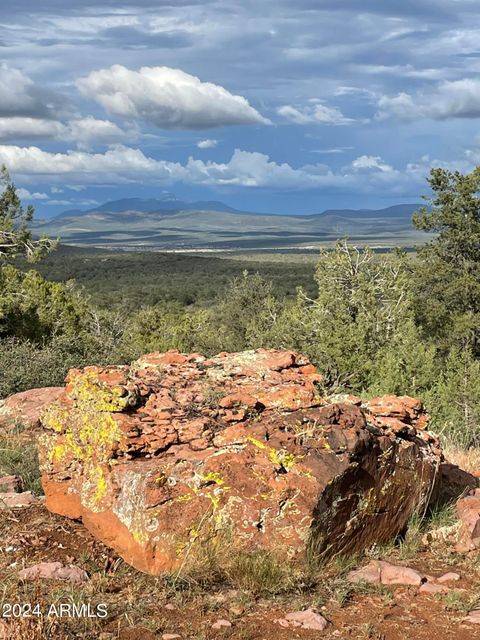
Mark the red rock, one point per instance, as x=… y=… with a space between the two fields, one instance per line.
x=433 y=588
x=382 y=572
x=473 y=617
x=221 y=624
x=142 y=462
x=10 y=484
x=17 y=500
x=238 y=399
x=401 y=407
x=155 y=359
x=371 y=574
x=307 y=619
x=27 y=406
x=468 y=511
x=53 y=571
x=449 y=577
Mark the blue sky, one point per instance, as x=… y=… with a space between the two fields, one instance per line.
x=277 y=106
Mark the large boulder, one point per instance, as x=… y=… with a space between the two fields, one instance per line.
x=241 y=451
x=26 y=406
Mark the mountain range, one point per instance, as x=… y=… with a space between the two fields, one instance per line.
x=169 y=223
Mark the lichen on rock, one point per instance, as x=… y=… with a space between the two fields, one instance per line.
x=178 y=451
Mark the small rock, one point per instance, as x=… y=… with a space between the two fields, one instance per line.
x=432 y=587
x=473 y=617
x=307 y=619
x=447 y=534
x=468 y=511
x=221 y=624
x=382 y=572
x=237 y=610
x=17 y=500
x=392 y=574
x=170 y=636
x=27 y=406
x=449 y=577
x=170 y=606
x=10 y=484
x=53 y=571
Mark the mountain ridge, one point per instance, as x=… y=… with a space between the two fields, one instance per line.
x=197 y=225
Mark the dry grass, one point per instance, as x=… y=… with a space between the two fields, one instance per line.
x=20 y=457
x=466 y=459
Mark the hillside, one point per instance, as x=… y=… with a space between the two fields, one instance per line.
x=170 y=223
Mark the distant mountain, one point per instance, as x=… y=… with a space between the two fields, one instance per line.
x=168 y=202
x=169 y=223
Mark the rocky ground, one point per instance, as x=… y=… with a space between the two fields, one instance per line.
x=190 y=607
x=60 y=581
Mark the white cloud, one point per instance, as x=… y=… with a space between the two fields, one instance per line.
x=167 y=98
x=117 y=165
x=449 y=99
x=22 y=97
x=332 y=150
x=368 y=163
x=123 y=165
x=207 y=144
x=23 y=127
x=317 y=114
x=83 y=131
x=16 y=91
x=89 y=130
x=25 y=194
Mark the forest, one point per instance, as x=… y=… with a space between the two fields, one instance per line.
x=373 y=323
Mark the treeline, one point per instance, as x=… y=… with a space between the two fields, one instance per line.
x=374 y=323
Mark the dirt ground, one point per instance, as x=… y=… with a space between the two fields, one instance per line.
x=143 y=607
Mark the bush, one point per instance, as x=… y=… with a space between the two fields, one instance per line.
x=26 y=365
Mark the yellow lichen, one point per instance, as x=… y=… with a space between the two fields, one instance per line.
x=88 y=389
x=279 y=458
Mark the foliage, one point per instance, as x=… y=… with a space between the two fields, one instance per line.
x=448 y=281
x=26 y=365
x=244 y=313
x=155 y=278
x=15 y=235
x=33 y=308
x=454 y=399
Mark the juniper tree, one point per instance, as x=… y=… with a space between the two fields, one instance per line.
x=15 y=233
x=448 y=274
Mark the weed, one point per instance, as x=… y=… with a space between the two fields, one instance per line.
x=20 y=458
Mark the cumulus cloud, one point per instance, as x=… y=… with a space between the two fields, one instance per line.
x=82 y=131
x=22 y=97
x=316 y=114
x=123 y=165
x=117 y=165
x=449 y=99
x=89 y=130
x=25 y=194
x=369 y=163
x=207 y=144
x=167 y=98
x=22 y=127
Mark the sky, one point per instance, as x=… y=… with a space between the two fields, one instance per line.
x=279 y=106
